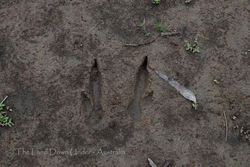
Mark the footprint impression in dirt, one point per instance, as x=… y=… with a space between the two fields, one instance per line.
x=92 y=105
x=134 y=107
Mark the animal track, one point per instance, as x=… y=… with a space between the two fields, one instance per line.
x=134 y=107
x=92 y=105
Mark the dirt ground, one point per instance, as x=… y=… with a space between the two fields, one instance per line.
x=82 y=98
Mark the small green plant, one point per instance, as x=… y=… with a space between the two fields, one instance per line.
x=193 y=48
x=196 y=50
x=189 y=47
x=2 y=106
x=195 y=42
x=142 y=25
x=160 y=27
x=4 y=119
x=157 y=2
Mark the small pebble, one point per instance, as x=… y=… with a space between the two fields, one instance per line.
x=234 y=117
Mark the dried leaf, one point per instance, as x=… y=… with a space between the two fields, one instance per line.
x=188 y=94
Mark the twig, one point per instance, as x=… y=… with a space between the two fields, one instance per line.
x=4 y=100
x=165 y=34
x=226 y=128
x=151 y=163
x=138 y=44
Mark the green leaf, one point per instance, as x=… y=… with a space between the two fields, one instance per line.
x=196 y=50
x=5 y=120
x=1 y=106
x=188 y=46
x=196 y=41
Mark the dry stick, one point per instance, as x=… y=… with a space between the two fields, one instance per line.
x=4 y=100
x=147 y=43
x=139 y=44
x=151 y=163
x=165 y=34
x=225 y=117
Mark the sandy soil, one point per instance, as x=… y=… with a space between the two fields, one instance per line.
x=82 y=98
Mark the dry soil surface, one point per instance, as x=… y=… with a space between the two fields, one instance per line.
x=82 y=98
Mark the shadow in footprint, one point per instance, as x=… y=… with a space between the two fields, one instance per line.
x=92 y=105
x=134 y=107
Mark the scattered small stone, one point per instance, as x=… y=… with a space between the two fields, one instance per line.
x=8 y=108
x=234 y=117
x=216 y=81
x=245 y=134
